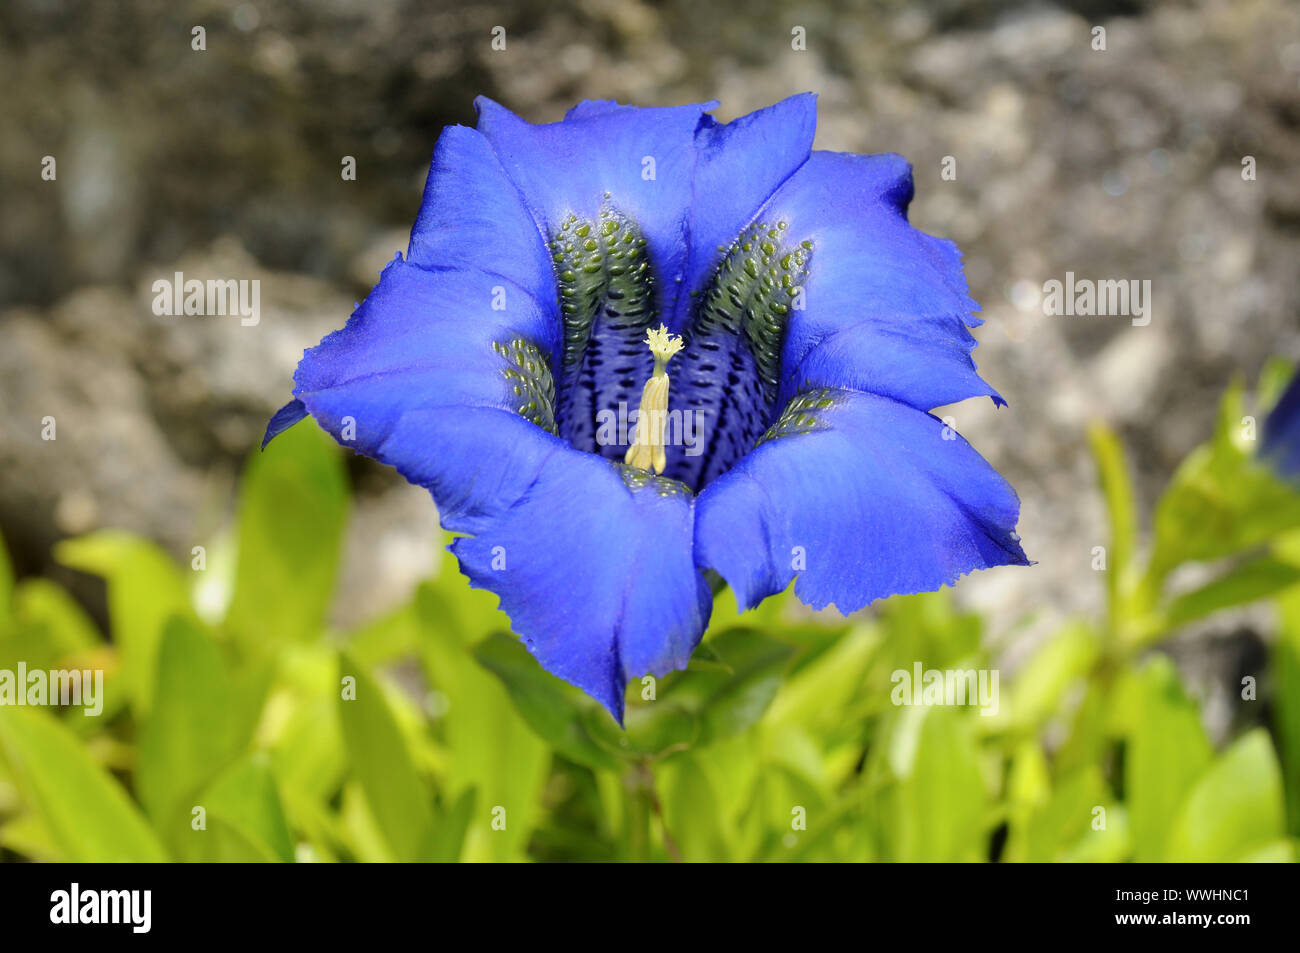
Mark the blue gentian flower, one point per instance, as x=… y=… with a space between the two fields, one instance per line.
x=561 y=277
x=1281 y=443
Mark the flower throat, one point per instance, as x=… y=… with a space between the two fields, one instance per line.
x=727 y=376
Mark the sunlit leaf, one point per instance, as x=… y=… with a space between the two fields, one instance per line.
x=1253 y=580
x=1117 y=488
x=50 y=630
x=1236 y=806
x=1286 y=668
x=1221 y=500
x=87 y=813
x=490 y=747
x=650 y=729
x=293 y=506
x=732 y=694
x=936 y=809
x=691 y=811
x=1075 y=820
x=1042 y=682
x=245 y=817
x=552 y=709
x=1167 y=752
x=145 y=589
x=187 y=738
x=449 y=830
x=399 y=801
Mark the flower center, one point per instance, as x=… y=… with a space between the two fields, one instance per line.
x=647 y=450
x=730 y=374
x=727 y=381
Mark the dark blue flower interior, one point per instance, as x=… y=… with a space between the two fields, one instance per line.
x=727 y=376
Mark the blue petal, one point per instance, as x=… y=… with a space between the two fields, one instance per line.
x=740 y=165
x=593 y=107
x=887 y=309
x=422 y=339
x=1281 y=443
x=472 y=215
x=875 y=502
x=597 y=578
x=283 y=419
x=601 y=149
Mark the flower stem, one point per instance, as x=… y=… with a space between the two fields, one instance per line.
x=637 y=807
x=641 y=803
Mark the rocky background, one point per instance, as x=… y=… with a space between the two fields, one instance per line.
x=1122 y=163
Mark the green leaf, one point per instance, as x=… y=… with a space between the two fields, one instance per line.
x=364 y=839
x=1235 y=808
x=27 y=836
x=309 y=756
x=489 y=745
x=63 y=624
x=1064 y=660
x=1028 y=790
x=1286 y=669
x=1256 y=579
x=250 y=684
x=245 y=817
x=50 y=630
x=1109 y=844
x=1086 y=741
x=816 y=692
x=731 y=700
x=187 y=738
x=1167 y=752
x=928 y=625
x=937 y=808
x=1273 y=380
x=449 y=832
x=651 y=729
x=87 y=813
x=551 y=708
x=388 y=638
x=145 y=589
x=1117 y=488
x=398 y=799
x=1221 y=500
x=1278 y=852
x=729 y=687
x=692 y=811
x=293 y=508
x=1076 y=820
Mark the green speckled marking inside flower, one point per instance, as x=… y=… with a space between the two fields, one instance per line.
x=753 y=293
x=530 y=381
x=637 y=479
x=802 y=415
x=730 y=371
x=600 y=266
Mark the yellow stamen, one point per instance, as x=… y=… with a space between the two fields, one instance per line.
x=647 y=449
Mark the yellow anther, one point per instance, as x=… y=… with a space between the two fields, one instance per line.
x=647 y=450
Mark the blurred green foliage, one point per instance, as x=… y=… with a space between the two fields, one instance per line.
x=432 y=734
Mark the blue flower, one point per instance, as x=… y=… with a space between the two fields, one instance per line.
x=778 y=327
x=1281 y=443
